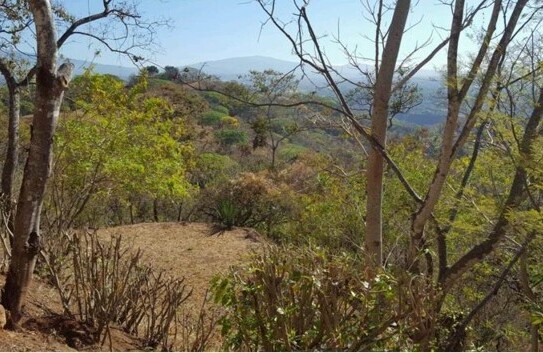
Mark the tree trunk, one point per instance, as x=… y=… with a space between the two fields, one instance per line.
x=155 y=210
x=531 y=296
x=12 y=153
x=10 y=164
x=455 y=97
x=50 y=87
x=379 y=118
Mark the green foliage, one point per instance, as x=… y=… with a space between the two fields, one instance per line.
x=228 y=214
x=251 y=200
x=306 y=299
x=233 y=89
x=229 y=137
x=185 y=103
x=221 y=109
x=211 y=118
x=213 y=168
x=152 y=70
x=26 y=101
x=120 y=144
x=332 y=207
x=290 y=151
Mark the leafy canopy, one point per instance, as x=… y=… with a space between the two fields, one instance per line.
x=128 y=142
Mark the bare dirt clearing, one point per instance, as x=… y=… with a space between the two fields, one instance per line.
x=191 y=250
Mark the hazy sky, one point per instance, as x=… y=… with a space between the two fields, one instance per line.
x=205 y=30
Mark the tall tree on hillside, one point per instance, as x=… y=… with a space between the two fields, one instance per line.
x=127 y=32
x=390 y=76
x=50 y=86
x=272 y=87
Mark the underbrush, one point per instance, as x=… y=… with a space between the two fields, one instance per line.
x=307 y=299
x=105 y=282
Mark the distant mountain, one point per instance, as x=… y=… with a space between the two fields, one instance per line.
x=122 y=72
x=232 y=68
x=429 y=112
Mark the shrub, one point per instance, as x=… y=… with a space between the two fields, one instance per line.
x=212 y=118
x=213 y=167
x=222 y=109
x=101 y=283
x=251 y=200
x=291 y=299
x=229 y=137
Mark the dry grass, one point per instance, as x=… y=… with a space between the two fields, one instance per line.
x=188 y=250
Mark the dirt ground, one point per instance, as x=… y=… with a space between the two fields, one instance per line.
x=191 y=250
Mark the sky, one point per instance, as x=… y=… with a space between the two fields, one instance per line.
x=207 y=30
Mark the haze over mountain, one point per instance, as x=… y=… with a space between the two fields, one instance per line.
x=232 y=68
x=427 y=113
x=117 y=70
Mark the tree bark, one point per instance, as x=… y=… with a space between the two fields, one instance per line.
x=12 y=153
x=379 y=119
x=10 y=164
x=50 y=86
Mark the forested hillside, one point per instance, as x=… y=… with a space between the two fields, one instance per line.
x=179 y=210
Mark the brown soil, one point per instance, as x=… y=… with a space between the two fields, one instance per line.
x=191 y=250
x=195 y=251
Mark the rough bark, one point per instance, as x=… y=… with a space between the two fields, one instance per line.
x=10 y=163
x=50 y=86
x=379 y=119
x=12 y=151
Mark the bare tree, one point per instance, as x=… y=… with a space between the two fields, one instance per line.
x=307 y=46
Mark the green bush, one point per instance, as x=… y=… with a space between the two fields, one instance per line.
x=229 y=137
x=222 y=109
x=212 y=168
x=305 y=299
x=212 y=118
x=251 y=200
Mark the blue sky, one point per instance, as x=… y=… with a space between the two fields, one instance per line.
x=206 y=30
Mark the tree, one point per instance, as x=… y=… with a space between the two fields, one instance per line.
x=379 y=120
x=152 y=70
x=50 y=86
x=103 y=150
x=307 y=46
x=171 y=73
x=475 y=91
x=131 y=33
x=271 y=88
